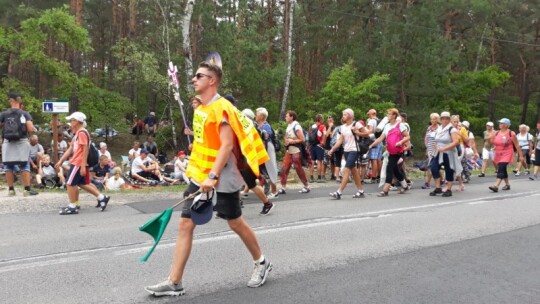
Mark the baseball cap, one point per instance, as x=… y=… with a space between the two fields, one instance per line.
x=489 y=123
x=445 y=114
x=78 y=116
x=248 y=113
x=144 y=151
x=230 y=98
x=181 y=153
x=152 y=114
x=371 y=111
x=466 y=124
x=505 y=121
x=202 y=207
x=14 y=95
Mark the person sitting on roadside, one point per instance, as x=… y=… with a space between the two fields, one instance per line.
x=151 y=146
x=150 y=123
x=146 y=170
x=180 y=166
x=103 y=151
x=47 y=175
x=135 y=151
x=36 y=151
x=116 y=182
x=62 y=145
x=138 y=126
x=100 y=172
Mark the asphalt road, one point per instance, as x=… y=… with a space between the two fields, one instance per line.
x=475 y=247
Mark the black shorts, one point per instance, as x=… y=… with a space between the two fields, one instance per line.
x=148 y=175
x=227 y=205
x=249 y=177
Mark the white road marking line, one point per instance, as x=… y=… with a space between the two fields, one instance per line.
x=43 y=263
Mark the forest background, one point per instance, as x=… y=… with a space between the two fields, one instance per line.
x=476 y=58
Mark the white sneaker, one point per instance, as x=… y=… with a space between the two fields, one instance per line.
x=273 y=195
x=517 y=174
x=260 y=273
x=166 y=288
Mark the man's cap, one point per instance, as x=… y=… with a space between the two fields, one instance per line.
x=14 y=95
x=78 y=116
x=371 y=111
x=144 y=151
x=489 y=123
x=181 y=153
x=230 y=98
x=202 y=207
x=152 y=114
x=445 y=114
x=466 y=124
x=505 y=121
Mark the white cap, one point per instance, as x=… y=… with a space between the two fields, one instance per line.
x=466 y=124
x=79 y=116
x=489 y=123
x=152 y=114
x=445 y=114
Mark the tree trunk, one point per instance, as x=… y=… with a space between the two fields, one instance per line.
x=75 y=62
x=289 y=61
x=186 y=44
x=524 y=89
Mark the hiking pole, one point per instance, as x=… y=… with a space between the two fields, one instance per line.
x=156 y=226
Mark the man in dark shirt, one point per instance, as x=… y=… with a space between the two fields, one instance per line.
x=150 y=124
x=100 y=172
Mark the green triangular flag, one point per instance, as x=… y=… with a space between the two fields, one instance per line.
x=156 y=227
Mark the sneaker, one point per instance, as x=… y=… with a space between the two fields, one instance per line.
x=410 y=184
x=266 y=208
x=311 y=180
x=369 y=181
x=260 y=273
x=460 y=188
x=30 y=192
x=435 y=192
x=166 y=288
x=273 y=195
x=393 y=188
x=533 y=178
x=447 y=193
x=493 y=188
x=527 y=172
x=244 y=194
x=304 y=190
x=98 y=204
x=338 y=180
x=320 y=180
x=335 y=195
x=103 y=203
x=515 y=171
x=426 y=186
x=11 y=193
x=517 y=174
x=281 y=191
x=482 y=175
x=68 y=210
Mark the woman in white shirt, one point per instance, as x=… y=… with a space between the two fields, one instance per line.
x=116 y=182
x=525 y=141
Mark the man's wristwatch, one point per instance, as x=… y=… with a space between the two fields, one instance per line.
x=213 y=176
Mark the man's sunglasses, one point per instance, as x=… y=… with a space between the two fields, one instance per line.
x=200 y=75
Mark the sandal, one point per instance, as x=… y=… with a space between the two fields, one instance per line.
x=382 y=194
x=403 y=189
x=359 y=195
x=335 y=195
x=506 y=187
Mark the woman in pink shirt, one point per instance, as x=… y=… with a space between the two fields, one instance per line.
x=504 y=142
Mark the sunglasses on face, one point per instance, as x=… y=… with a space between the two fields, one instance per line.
x=201 y=75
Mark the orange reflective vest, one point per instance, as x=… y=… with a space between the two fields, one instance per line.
x=206 y=122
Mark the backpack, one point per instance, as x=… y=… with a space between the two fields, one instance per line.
x=14 y=125
x=275 y=141
x=458 y=147
x=335 y=136
x=362 y=143
x=93 y=153
x=312 y=137
x=393 y=136
x=378 y=133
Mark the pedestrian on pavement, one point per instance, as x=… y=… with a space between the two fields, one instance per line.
x=327 y=146
x=445 y=154
x=375 y=153
x=535 y=155
x=487 y=150
x=316 y=141
x=504 y=142
x=350 y=130
x=271 y=136
x=294 y=143
x=79 y=171
x=525 y=141
x=429 y=142
x=397 y=137
x=16 y=126
x=220 y=140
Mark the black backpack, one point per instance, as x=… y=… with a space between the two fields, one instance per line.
x=93 y=153
x=378 y=133
x=13 y=128
x=312 y=138
x=275 y=141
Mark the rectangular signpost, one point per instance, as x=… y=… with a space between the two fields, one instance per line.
x=55 y=106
